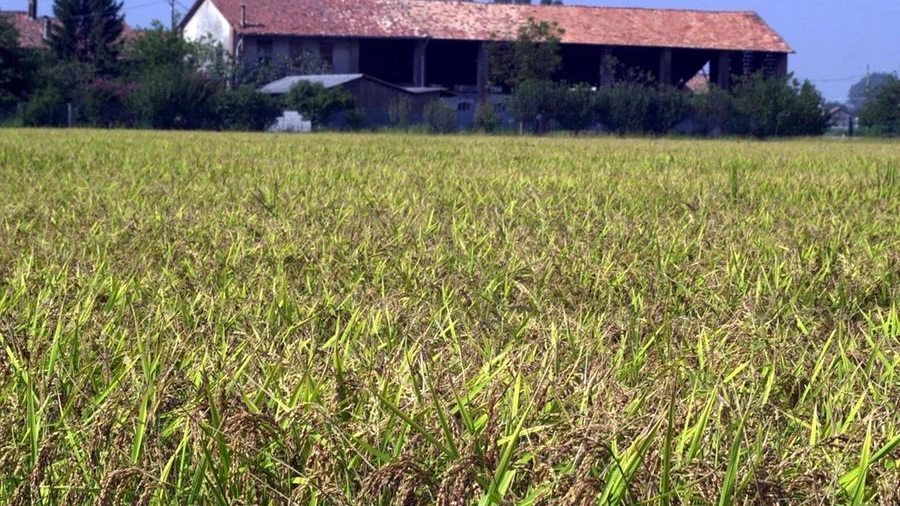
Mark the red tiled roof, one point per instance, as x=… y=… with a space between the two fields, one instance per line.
x=441 y=19
x=31 y=31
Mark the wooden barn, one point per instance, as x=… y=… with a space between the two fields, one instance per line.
x=439 y=43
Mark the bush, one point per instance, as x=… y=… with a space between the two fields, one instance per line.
x=104 y=103
x=777 y=107
x=439 y=118
x=400 y=112
x=46 y=107
x=173 y=98
x=534 y=104
x=317 y=103
x=575 y=108
x=245 y=108
x=486 y=118
x=624 y=106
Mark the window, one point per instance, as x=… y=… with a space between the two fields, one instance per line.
x=326 y=53
x=464 y=107
x=264 y=51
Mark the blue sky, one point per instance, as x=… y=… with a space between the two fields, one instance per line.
x=834 y=40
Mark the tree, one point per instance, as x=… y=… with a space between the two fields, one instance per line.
x=16 y=69
x=316 y=102
x=777 y=107
x=865 y=88
x=533 y=55
x=881 y=113
x=88 y=31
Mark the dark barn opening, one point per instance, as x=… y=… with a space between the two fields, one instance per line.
x=451 y=63
x=581 y=63
x=390 y=60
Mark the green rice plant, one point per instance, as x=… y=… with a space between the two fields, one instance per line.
x=204 y=318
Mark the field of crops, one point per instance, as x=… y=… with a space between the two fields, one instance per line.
x=375 y=320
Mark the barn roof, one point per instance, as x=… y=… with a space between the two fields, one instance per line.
x=460 y=20
x=31 y=31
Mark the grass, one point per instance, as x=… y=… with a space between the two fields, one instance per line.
x=259 y=319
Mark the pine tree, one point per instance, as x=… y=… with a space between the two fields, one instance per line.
x=88 y=31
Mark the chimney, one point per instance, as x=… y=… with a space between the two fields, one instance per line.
x=243 y=15
x=46 y=31
x=32 y=9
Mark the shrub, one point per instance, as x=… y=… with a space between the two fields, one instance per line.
x=173 y=98
x=244 y=108
x=439 y=118
x=575 y=108
x=777 y=107
x=45 y=107
x=316 y=102
x=534 y=103
x=487 y=119
x=400 y=112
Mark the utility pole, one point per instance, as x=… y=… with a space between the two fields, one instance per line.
x=867 y=82
x=172 y=8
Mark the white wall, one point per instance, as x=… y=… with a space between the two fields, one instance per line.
x=208 y=21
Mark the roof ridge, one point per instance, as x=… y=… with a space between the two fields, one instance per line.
x=580 y=6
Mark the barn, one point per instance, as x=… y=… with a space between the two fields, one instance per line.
x=439 y=43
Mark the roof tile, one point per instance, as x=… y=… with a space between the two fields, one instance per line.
x=443 y=19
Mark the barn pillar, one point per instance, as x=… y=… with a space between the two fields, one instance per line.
x=665 y=67
x=354 y=57
x=607 y=72
x=720 y=69
x=781 y=67
x=419 y=62
x=482 y=69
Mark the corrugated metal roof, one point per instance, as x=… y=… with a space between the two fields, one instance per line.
x=284 y=84
x=456 y=20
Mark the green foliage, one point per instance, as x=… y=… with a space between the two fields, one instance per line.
x=864 y=89
x=533 y=56
x=196 y=318
x=881 y=114
x=88 y=31
x=534 y=103
x=400 y=112
x=45 y=107
x=630 y=107
x=439 y=118
x=245 y=108
x=487 y=119
x=576 y=107
x=169 y=97
x=104 y=104
x=777 y=107
x=16 y=67
x=281 y=66
x=317 y=103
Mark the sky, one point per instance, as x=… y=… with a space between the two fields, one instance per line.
x=834 y=40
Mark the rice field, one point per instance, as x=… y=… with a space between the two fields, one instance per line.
x=406 y=320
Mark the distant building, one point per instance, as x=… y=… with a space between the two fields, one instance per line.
x=34 y=31
x=841 y=118
x=438 y=43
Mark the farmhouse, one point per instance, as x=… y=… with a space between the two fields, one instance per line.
x=439 y=43
x=33 y=30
